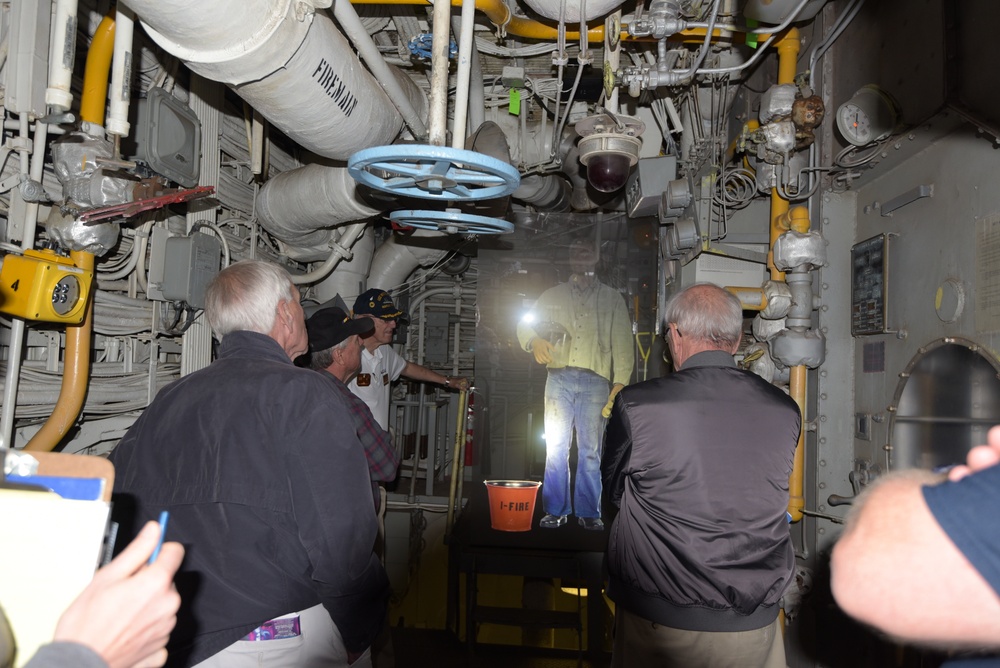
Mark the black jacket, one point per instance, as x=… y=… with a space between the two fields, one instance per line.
x=267 y=487
x=697 y=464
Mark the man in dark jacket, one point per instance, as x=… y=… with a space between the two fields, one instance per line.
x=696 y=466
x=267 y=488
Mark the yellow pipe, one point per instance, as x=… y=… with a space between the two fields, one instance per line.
x=76 y=359
x=788 y=51
x=95 y=77
x=752 y=299
x=76 y=368
x=796 y=498
x=500 y=15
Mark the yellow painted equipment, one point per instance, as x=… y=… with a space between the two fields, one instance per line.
x=42 y=285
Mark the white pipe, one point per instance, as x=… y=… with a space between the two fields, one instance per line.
x=589 y=9
x=349 y=279
x=341 y=251
x=351 y=24
x=440 y=48
x=62 y=51
x=17 y=326
x=299 y=206
x=465 y=43
x=121 y=73
x=394 y=262
x=288 y=62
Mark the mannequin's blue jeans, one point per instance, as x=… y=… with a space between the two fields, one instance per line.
x=573 y=402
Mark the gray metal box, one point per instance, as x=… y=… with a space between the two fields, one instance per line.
x=642 y=194
x=27 y=60
x=436 y=341
x=168 y=137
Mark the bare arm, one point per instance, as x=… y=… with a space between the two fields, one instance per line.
x=895 y=568
x=422 y=373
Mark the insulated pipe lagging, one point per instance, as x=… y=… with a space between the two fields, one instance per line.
x=299 y=206
x=466 y=38
x=297 y=70
x=349 y=279
x=76 y=359
x=395 y=260
x=61 y=56
x=351 y=24
x=121 y=73
x=341 y=251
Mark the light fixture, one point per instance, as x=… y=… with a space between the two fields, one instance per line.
x=609 y=148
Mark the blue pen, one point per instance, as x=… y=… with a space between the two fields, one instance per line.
x=164 y=516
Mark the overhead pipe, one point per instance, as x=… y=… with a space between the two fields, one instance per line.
x=341 y=251
x=459 y=130
x=788 y=50
x=61 y=56
x=440 y=49
x=351 y=24
x=300 y=206
x=395 y=260
x=501 y=16
x=76 y=358
x=349 y=279
x=288 y=61
x=121 y=73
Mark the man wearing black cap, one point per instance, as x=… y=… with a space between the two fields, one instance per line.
x=335 y=347
x=380 y=364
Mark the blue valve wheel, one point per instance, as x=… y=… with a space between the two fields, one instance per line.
x=433 y=172
x=453 y=222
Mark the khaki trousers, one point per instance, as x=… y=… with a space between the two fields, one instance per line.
x=319 y=646
x=640 y=643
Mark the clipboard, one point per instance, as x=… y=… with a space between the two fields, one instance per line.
x=52 y=545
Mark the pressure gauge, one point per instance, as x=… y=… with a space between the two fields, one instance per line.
x=867 y=117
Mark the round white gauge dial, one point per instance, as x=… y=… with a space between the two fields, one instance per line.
x=867 y=117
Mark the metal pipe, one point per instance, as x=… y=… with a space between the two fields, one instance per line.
x=459 y=131
x=351 y=24
x=95 y=77
x=501 y=16
x=76 y=359
x=298 y=71
x=341 y=251
x=17 y=327
x=440 y=48
x=121 y=73
x=61 y=56
x=76 y=373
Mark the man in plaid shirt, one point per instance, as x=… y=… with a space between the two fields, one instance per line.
x=335 y=347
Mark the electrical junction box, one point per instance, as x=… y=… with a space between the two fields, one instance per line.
x=647 y=184
x=168 y=137
x=180 y=268
x=512 y=77
x=41 y=285
x=436 y=326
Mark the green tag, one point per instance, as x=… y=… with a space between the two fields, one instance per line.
x=751 y=38
x=514 y=106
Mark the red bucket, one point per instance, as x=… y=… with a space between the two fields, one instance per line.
x=512 y=503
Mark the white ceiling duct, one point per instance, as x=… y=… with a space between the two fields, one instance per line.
x=594 y=9
x=290 y=63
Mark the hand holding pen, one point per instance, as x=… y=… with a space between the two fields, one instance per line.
x=128 y=610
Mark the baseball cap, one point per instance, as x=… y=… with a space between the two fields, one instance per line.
x=377 y=303
x=330 y=326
